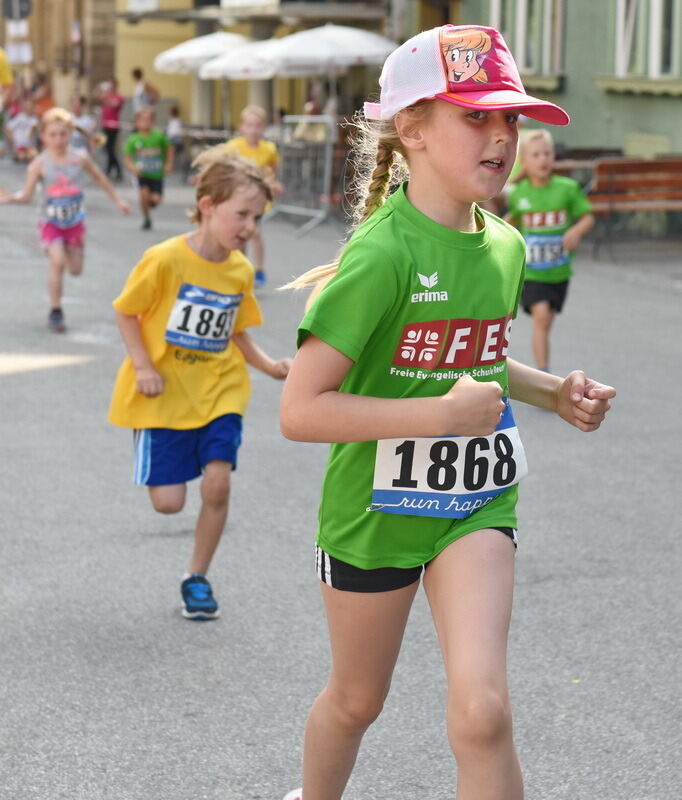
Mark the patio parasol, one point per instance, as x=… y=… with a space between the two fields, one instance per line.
x=328 y=49
x=189 y=55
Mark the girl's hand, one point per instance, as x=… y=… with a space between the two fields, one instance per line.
x=571 y=239
x=280 y=369
x=123 y=207
x=148 y=382
x=473 y=408
x=5 y=196
x=277 y=188
x=583 y=402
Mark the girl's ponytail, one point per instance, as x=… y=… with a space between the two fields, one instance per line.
x=379 y=182
x=380 y=164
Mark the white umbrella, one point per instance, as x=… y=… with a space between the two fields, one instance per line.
x=328 y=49
x=257 y=64
x=189 y=55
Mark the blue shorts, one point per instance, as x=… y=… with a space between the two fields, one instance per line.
x=164 y=456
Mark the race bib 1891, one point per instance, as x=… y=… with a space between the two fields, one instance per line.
x=448 y=477
x=202 y=319
x=544 y=251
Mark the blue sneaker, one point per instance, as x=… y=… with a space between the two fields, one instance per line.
x=197 y=599
x=260 y=279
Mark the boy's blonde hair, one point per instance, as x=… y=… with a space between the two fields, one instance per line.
x=380 y=162
x=534 y=135
x=221 y=174
x=55 y=115
x=145 y=110
x=255 y=111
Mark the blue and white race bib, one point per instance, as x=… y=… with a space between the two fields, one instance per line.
x=150 y=165
x=545 y=251
x=448 y=477
x=202 y=319
x=65 y=211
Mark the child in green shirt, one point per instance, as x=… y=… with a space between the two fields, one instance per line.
x=149 y=155
x=553 y=214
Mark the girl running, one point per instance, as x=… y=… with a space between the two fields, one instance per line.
x=403 y=365
x=61 y=170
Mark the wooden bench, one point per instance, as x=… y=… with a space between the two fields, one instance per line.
x=628 y=185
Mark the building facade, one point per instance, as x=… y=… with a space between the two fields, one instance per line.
x=72 y=42
x=615 y=65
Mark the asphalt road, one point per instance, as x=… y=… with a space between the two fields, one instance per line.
x=108 y=694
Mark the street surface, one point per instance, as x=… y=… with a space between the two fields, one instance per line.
x=109 y=694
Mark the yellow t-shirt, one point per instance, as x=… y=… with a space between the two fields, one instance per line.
x=264 y=154
x=188 y=308
x=6 y=77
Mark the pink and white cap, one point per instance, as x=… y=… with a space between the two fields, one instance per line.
x=467 y=65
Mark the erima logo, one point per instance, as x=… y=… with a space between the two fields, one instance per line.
x=193 y=293
x=524 y=203
x=428 y=281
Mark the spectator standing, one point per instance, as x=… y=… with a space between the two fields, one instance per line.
x=42 y=96
x=84 y=125
x=21 y=132
x=174 y=130
x=111 y=104
x=144 y=94
x=6 y=79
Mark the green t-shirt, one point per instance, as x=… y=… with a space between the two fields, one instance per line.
x=415 y=305
x=545 y=213
x=148 y=151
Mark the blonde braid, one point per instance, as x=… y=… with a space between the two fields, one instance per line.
x=380 y=162
x=379 y=181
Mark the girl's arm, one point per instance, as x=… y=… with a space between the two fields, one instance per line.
x=25 y=195
x=170 y=159
x=148 y=381
x=576 y=232
x=313 y=409
x=130 y=164
x=577 y=399
x=259 y=359
x=101 y=180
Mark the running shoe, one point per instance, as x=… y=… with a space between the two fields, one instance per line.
x=55 y=321
x=260 y=279
x=297 y=794
x=147 y=224
x=197 y=599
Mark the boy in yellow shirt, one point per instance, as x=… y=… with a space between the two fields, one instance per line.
x=183 y=315
x=252 y=146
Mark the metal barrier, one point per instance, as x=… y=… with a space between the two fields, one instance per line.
x=306 y=150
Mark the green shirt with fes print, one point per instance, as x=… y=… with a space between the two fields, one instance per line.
x=415 y=305
x=544 y=214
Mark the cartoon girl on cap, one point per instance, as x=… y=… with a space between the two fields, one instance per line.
x=461 y=50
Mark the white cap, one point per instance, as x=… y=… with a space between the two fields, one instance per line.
x=467 y=65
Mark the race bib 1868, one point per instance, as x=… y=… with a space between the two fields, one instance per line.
x=449 y=477
x=544 y=251
x=202 y=319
